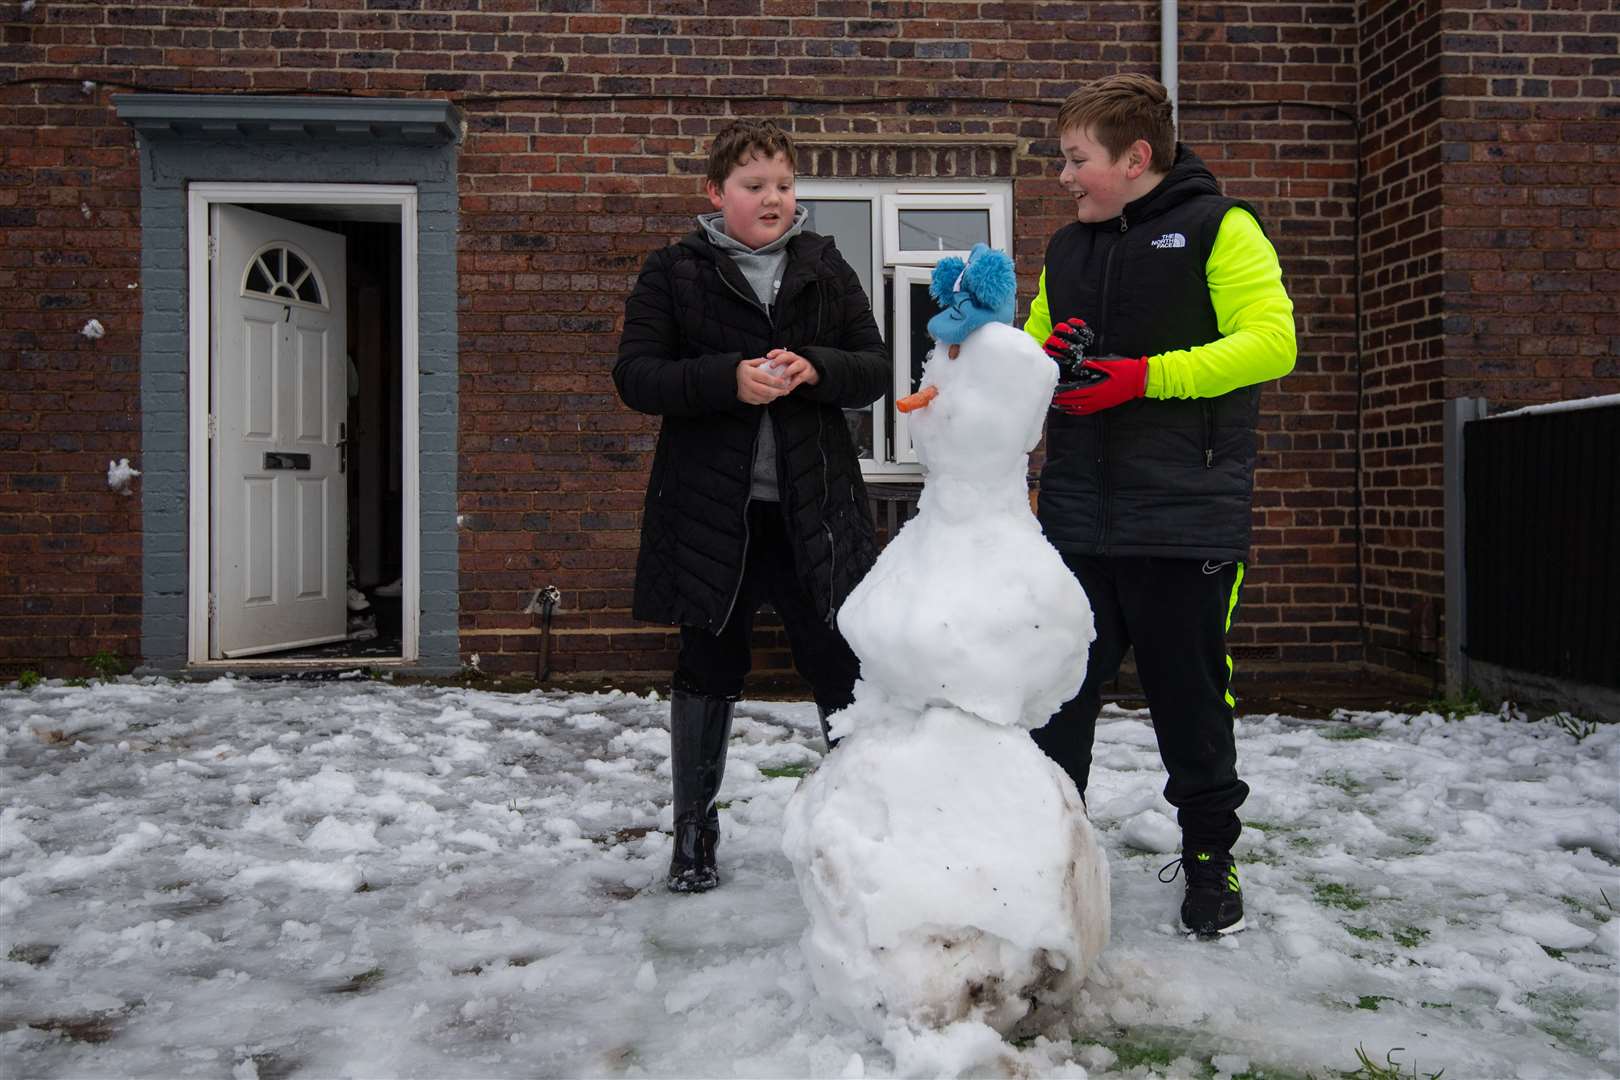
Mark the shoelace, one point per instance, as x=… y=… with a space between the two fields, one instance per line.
x=1193 y=870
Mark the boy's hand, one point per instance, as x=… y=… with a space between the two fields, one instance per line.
x=760 y=381
x=794 y=368
x=1068 y=344
x=1110 y=381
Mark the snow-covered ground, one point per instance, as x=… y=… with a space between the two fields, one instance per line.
x=296 y=879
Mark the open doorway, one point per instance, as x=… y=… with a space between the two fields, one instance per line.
x=310 y=541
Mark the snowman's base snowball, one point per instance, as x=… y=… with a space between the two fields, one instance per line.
x=949 y=871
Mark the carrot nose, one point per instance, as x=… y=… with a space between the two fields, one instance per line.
x=919 y=400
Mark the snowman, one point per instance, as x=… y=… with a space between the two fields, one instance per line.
x=947 y=864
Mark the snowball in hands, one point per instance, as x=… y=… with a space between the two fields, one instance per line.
x=947 y=864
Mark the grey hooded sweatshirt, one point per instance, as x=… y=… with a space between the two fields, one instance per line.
x=763 y=269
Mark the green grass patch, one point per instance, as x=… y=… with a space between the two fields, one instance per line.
x=1558 y=1013
x=1137 y=1051
x=1370 y=1001
x=1389 y=1069
x=107 y=666
x=1346 y=734
x=1365 y=933
x=794 y=771
x=1577 y=727
x=361 y=983
x=1344 y=782
x=1581 y=907
x=1132 y=1053
x=1409 y=937
x=1469 y=704
x=28 y=679
x=1332 y=894
x=1556 y=954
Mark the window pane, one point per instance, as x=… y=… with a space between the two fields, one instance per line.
x=849 y=223
x=295 y=267
x=887 y=404
x=308 y=291
x=943 y=230
x=923 y=308
x=860 y=430
x=257 y=279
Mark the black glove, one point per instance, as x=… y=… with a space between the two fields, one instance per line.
x=1068 y=345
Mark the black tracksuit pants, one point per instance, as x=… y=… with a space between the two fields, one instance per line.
x=716 y=664
x=1176 y=613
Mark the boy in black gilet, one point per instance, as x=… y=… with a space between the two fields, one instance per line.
x=1173 y=315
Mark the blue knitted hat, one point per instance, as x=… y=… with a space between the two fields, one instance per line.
x=973 y=293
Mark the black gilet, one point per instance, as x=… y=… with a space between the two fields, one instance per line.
x=1164 y=477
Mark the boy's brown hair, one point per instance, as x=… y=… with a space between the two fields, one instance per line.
x=1120 y=109
x=738 y=142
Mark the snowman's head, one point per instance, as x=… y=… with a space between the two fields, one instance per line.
x=973 y=292
x=987 y=405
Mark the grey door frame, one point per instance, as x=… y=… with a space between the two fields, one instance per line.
x=190 y=139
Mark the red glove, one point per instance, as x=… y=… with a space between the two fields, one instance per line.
x=1111 y=381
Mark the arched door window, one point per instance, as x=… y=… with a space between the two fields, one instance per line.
x=279 y=272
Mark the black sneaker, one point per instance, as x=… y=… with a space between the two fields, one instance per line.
x=1213 y=904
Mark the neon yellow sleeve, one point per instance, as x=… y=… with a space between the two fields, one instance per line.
x=1039 y=323
x=1252 y=310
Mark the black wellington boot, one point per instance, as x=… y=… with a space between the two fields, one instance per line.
x=699 y=729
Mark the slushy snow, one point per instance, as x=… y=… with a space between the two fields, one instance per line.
x=1411 y=882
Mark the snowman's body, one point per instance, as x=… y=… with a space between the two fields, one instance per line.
x=947 y=863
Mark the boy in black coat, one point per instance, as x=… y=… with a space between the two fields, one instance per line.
x=749 y=337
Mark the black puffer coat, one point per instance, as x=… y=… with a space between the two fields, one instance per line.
x=690 y=321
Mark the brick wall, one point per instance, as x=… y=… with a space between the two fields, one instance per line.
x=1531 y=200
x=70 y=566
x=1268 y=99
x=1402 y=343
x=560 y=210
x=583 y=151
x=1491 y=221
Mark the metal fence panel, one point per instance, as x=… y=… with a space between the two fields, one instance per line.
x=1542 y=498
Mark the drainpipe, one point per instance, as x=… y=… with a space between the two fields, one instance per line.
x=1168 y=52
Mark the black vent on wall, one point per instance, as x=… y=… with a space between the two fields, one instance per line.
x=1542 y=543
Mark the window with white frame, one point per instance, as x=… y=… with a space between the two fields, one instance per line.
x=893 y=233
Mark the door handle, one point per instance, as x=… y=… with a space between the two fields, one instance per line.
x=343 y=447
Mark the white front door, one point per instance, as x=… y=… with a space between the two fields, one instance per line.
x=279 y=416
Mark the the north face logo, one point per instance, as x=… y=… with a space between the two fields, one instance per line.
x=1170 y=240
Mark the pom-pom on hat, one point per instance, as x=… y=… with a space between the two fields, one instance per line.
x=973 y=293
